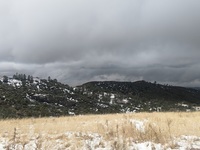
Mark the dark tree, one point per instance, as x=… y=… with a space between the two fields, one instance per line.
x=24 y=77
x=5 y=79
x=16 y=76
x=49 y=78
x=55 y=80
x=30 y=79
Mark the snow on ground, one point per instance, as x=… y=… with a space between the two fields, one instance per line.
x=125 y=101
x=36 y=80
x=112 y=96
x=187 y=142
x=139 y=125
x=146 y=146
x=112 y=99
x=71 y=113
x=102 y=105
x=14 y=82
x=68 y=91
x=73 y=100
x=94 y=141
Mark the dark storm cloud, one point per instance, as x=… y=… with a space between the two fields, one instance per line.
x=78 y=41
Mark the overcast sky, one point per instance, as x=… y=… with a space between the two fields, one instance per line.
x=77 y=41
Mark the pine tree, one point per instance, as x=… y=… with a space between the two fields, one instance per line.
x=24 y=77
x=49 y=78
x=5 y=79
x=31 y=79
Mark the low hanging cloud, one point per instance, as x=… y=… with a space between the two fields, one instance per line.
x=79 y=41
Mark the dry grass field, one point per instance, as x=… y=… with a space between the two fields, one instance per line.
x=115 y=131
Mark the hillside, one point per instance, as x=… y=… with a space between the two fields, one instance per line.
x=27 y=97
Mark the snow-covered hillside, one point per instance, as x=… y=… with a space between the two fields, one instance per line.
x=32 y=96
x=18 y=83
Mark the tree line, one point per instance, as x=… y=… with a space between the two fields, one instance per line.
x=24 y=78
x=21 y=77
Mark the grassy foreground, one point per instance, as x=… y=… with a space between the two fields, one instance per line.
x=119 y=129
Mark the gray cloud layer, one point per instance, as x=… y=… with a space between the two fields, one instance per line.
x=78 y=41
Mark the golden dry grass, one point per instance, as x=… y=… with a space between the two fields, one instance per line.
x=159 y=127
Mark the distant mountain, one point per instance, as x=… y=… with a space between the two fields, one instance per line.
x=33 y=97
x=147 y=90
x=197 y=88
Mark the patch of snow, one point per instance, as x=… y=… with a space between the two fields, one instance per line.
x=85 y=93
x=125 y=101
x=73 y=100
x=111 y=102
x=46 y=103
x=102 y=105
x=197 y=108
x=14 y=82
x=137 y=108
x=40 y=95
x=139 y=125
x=127 y=110
x=3 y=143
x=146 y=146
x=95 y=141
x=100 y=96
x=105 y=94
x=28 y=97
x=38 y=87
x=71 y=112
x=36 y=80
x=188 y=142
x=31 y=100
x=68 y=91
x=188 y=110
x=182 y=104
x=58 y=105
x=112 y=96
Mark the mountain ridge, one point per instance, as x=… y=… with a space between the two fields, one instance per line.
x=35 y=97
